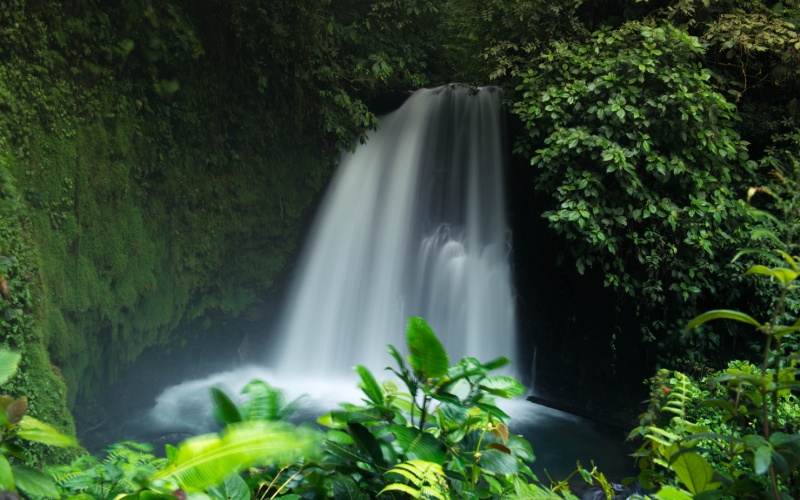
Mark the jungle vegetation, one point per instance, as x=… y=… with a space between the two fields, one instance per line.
x=158 y=161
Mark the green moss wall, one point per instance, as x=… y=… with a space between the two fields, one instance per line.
x=127 y=257
x=132 y=207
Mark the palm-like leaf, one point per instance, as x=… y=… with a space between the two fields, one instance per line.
x=204 y=461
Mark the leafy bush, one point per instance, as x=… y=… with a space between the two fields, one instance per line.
x=15 y=428
x=751 y=437
x=441 y=434
x=640 y=156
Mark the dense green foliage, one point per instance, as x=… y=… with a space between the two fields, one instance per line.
x=640 y=155
x=20 y=302
x=646 y=124
x=441 y=430
x=743 y=439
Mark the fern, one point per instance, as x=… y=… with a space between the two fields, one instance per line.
x=125 y=469
x=427 y=480
x=680 y=394
x=676 y=404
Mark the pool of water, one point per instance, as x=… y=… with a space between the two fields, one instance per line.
x=560 y=439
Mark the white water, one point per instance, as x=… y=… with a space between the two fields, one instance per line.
x=413 y=224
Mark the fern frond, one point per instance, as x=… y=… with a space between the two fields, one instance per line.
x=427 y=478
x=410 y=474
x=669 y=435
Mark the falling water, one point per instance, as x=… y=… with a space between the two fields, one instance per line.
x=413 y=224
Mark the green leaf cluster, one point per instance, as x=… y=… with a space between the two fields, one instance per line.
x=641 y=159
x=749 y=440
x=446 y=417
x=16 y=473
x=442 y=436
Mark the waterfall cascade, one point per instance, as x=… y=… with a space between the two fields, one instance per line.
x=412 y=224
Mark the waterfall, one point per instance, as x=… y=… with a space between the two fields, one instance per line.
x=413 y=224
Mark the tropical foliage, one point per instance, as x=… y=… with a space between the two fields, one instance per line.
x=441 y=434
x=16 y=428
x=642 y=159
x=157 y=160
x=444 y=438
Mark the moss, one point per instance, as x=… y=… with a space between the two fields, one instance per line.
x=126 y=261
x=20 y=308
x=143 y=213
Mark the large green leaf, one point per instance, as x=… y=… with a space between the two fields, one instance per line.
x=428 y=358
x=9 y=361
x=204 y=461
x=493 y=410
x=520 y=448
x=224 y=411
x=762 y=459
x=6 y=476
x=498 y=462
x=672 y=493
x=34 y=482
x=694 y=472
x=13 y=450
x=444 y=397
x=418 y=445
x=455 y=413
x=344 y=488
x=401 y=364
x=155 y=495
x=357 y=415
x=780 y=331
x=496 y=363
x=40 y=432
x=722 y=314
x=367 y=443
x=233 y=488
x=505 y=387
